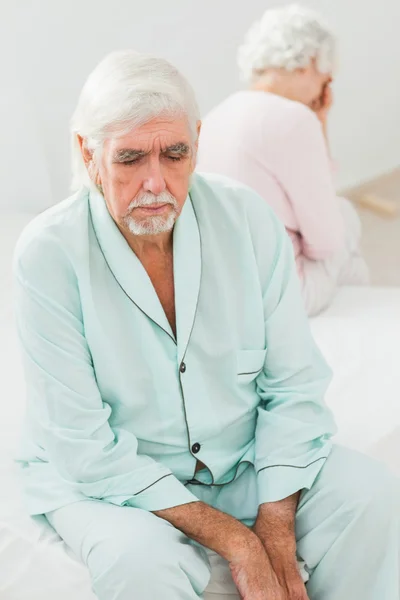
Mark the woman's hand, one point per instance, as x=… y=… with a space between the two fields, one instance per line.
x=322 y=105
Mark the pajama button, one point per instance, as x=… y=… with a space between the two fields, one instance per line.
x=182 y=368
x=196 y=448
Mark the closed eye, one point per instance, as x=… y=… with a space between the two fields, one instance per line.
x=177 y=152
x=133 y=161
x=174 y=158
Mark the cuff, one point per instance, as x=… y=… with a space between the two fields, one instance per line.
x=167 y=492
x=278 y=482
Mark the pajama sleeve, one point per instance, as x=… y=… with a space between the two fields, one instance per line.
x=294 y=426
x=70 y=419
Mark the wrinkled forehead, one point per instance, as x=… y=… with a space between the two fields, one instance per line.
x=156 y=135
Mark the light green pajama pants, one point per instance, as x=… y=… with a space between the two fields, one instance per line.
x=347 y=529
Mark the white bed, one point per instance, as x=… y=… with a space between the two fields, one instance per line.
x=360 y=337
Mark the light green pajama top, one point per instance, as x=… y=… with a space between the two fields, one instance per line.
x=120 y=410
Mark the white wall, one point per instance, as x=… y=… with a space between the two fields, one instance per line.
x=52 y=45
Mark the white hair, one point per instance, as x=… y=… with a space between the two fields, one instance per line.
x=286 y=38
x=127 y=89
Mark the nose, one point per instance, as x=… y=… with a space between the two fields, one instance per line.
x=154 y=181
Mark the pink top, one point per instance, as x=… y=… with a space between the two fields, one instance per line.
x=277 y=147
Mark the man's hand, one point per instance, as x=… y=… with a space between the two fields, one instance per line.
x=250 y=565
x=291 y=582
x=275 y=527
x=254 y=577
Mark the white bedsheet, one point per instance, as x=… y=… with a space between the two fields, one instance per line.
x=360 y=337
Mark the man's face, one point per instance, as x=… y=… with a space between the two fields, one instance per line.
x=145 y=175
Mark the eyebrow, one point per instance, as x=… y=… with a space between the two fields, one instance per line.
x=179 y=148
x=128 y=154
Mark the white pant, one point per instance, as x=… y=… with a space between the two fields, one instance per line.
x=347 y=529
x=321 y=278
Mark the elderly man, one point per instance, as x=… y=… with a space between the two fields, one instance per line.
x=175 y=395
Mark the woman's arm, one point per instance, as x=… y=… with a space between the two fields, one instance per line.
x=306 y=175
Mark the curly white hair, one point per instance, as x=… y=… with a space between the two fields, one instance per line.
x=286 y=38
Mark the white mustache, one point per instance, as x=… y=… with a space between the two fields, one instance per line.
x=147 y=199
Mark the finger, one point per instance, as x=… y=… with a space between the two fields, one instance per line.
x=329 y=96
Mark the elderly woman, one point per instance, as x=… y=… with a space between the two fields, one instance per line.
x=175 y=394
x=272 y=137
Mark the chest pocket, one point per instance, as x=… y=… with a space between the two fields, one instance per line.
x=249 y=364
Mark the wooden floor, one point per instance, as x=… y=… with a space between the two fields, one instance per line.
x=381 y=234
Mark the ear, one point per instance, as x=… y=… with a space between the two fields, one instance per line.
x=87 y=154
x=89 y=161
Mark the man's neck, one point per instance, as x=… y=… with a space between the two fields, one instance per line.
x=150 y=245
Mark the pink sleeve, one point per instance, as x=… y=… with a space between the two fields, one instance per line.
x=306 y=175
